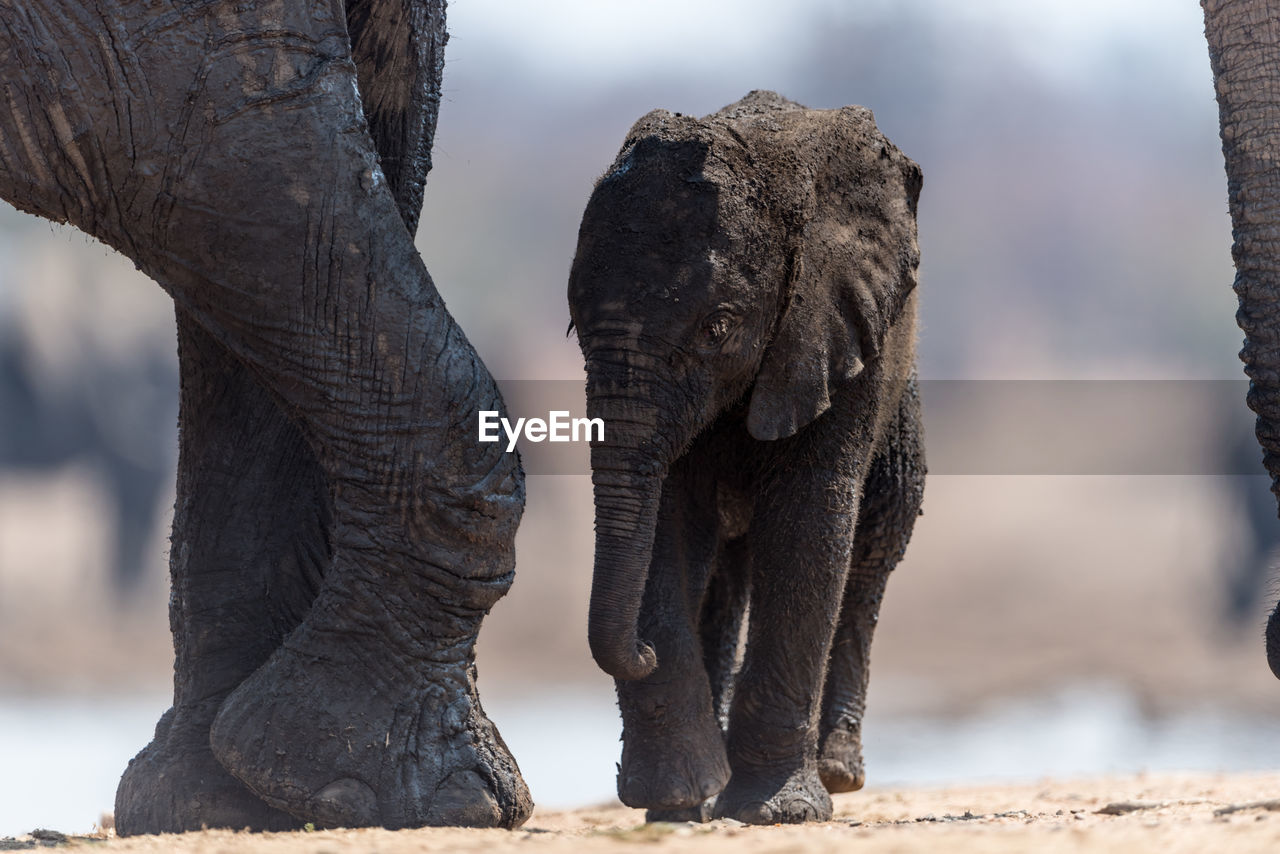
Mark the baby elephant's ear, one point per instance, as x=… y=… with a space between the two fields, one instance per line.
x=854 y=265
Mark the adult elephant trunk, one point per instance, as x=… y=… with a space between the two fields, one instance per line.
x=627 y=470
x=1244 y=50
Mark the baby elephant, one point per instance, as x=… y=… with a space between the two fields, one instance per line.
x=744 y=295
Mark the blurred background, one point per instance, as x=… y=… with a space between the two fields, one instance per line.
x=1073 y=227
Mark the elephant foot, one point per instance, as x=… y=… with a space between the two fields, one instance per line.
x=175 y=785
x=783 y=798
x=340 y=730
x=701 y=814
x=667 y=767
x=840 y=762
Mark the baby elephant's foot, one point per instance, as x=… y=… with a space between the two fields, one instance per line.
x=671 y=761
x=175 y=785
x=701 y=814
x=775 y=798
x=344 y=736
x=840 y=762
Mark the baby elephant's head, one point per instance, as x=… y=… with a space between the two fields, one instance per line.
x=758 y=255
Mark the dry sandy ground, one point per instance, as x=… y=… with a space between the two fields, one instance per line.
x=1165 y=813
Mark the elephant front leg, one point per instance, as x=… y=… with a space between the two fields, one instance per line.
x=368 y=713
x=719 y=629
x=890 y=505
x=249 y=548
x=300 y=265
x=673 y=756
x=800 y=557
x=249 y=188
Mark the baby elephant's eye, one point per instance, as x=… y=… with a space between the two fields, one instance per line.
x=716 y=329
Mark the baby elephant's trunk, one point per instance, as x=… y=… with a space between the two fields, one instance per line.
x=627 y=493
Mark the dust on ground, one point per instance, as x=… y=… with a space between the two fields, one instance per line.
x=1165 y=813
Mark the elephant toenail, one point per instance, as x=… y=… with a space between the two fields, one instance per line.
x=709 y=787
x=465 y=799
x=345 y=803
x=756 y=812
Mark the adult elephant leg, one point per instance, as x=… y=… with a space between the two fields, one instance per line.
x=1244 y=50
x=672 y=750
x=222 y=146
x=251 y=538
x=369 y=714
x=887 y=513
x=251 y=541
x=398 y=47
x=250 y=545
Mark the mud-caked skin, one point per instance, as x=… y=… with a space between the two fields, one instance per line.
x=337 y=538
x=234 y=597
x=744 y=295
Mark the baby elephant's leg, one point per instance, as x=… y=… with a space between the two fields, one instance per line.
x=800 y=556
x=673 y=754
x=890 y=504
x=719 y=629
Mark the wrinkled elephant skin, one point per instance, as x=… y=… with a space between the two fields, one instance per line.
x=337 y=539
x=744 y=295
